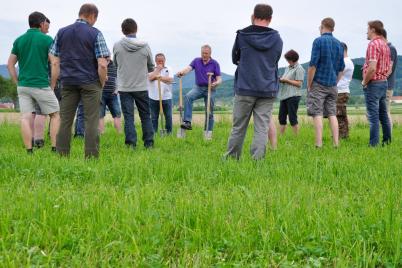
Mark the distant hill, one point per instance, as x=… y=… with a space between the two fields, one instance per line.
x=4 y=71
x=225 y=91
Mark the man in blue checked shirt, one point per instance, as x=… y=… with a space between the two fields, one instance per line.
x=325 y=70
x=80 y=58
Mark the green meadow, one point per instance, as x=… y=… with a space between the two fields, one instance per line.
x=181 y=205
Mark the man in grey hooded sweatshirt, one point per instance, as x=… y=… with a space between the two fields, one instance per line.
x=133 y=59
x=256 y=53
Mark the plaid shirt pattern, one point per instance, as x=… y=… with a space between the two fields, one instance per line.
x=101 y=49
x=378 y=51
x=327 y=57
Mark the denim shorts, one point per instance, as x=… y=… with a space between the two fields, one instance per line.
x=110 y=100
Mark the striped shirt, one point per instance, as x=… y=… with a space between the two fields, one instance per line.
x=378 y=51
x=101 y=49
x=110 y=85
x=327 y=57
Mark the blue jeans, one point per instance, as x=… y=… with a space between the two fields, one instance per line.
x=110 y=100
x=141 y=100
x=79 y=121
x=167 y=111
x=195 y=94
x=375 y=95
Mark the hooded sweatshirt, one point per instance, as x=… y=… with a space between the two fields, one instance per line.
x=257 y=51
x=133 y=59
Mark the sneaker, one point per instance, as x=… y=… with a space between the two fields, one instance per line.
x=208 y=135
x=186 y=125
x=39 y=143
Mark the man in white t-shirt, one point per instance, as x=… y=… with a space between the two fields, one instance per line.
x=166 y=75
x=343 y=95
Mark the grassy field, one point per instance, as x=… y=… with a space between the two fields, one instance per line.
x=180 y=205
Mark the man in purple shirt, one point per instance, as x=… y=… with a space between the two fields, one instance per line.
x=202 y=66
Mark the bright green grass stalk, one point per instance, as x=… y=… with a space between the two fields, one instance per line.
x=181 y=205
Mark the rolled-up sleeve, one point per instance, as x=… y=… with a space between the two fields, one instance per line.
x=54 y=48
x=315 y=53
x=101 y=49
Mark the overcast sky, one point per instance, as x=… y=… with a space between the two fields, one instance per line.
x=178 y=28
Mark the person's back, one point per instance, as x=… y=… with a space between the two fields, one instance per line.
x=134 y=61
x=32 y=49
x=257 y=52
x=78 y=63
x=344 y=82
x=328 y=60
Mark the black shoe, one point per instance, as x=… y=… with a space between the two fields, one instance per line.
x=186 y=125
x=54 y=150
x=131 y=146
x=29 y=151
x=149 y=145
x=39 y=143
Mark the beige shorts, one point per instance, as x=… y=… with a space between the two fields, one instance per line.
x=30 y=98
x=390 y=93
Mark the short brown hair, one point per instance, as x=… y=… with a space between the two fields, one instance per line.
x=88 y=9
x=377 y=26
x=263 y=12
x=328 y=23
x=292 y=56
x=129 y=26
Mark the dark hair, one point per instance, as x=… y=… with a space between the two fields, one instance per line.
x=160 y=55
x=129 y=26
x=328 y=23
x=292 y=56
x=345 y=47
x=384 y=34
x=88 y=10
x=35 y=19
x=47 y=20
x=263 y=12
x=377 y=26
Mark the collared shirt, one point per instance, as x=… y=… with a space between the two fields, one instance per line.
x=110 y=85
x=379 y=52
x=101 y=49
x=394 y=59
x=295 y=72
x=344 y=82
x=327 y=57
x=201 y=70
x=166 y=89
x=31 y=50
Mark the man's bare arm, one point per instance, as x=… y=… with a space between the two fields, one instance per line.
x=372 y=68
x=102 y=70
x=55 y=70
x=310 y=76
x=12 y=61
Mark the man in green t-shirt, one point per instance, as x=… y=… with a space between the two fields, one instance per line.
x=31 y=51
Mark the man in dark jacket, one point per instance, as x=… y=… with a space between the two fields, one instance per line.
x=256 y=51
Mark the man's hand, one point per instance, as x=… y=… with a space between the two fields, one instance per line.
x=102 y=70
x=283 y=80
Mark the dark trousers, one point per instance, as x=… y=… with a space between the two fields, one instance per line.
x=90 y=95
x=167 y=111
x=288 y=108
x=341 y=115
x=141 y=100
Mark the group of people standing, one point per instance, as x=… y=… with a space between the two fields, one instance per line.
x=91 y=78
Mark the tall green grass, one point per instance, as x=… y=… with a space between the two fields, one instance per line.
x=180 y=205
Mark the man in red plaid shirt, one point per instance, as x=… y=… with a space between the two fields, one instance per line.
x=375 y=73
